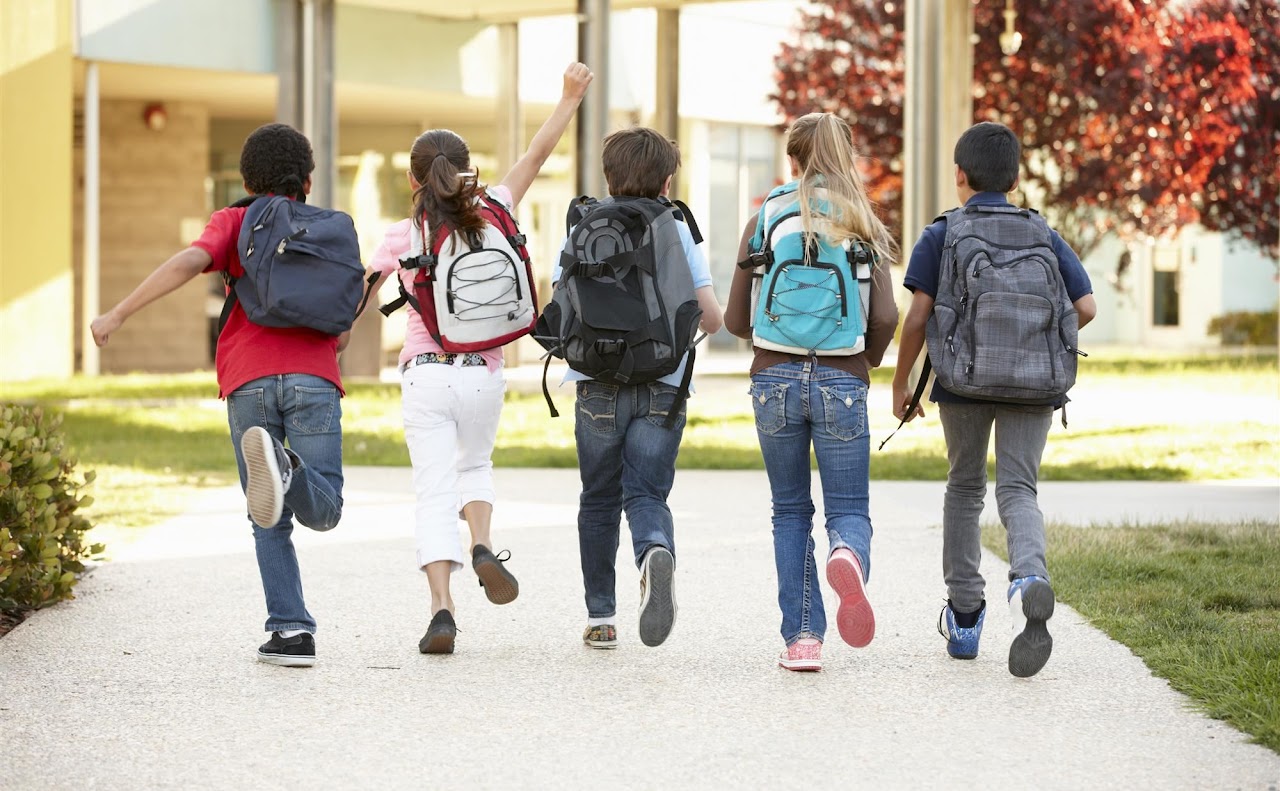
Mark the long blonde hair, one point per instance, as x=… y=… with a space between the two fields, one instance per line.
x=822 y=145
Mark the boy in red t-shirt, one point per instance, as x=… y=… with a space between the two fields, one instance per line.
x=279 y=383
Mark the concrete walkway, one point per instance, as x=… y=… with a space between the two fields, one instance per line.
x=148 y=679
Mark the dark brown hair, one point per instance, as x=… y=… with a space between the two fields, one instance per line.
x=638 y=161
x=441 y=164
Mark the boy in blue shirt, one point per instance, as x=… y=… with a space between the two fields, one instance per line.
x=987 y=158
x=626 y=450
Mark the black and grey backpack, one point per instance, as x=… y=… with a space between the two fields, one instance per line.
x=624 y=310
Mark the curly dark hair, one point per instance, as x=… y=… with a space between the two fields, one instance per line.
x=276 y=159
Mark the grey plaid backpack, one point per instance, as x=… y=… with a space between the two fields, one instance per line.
x=1003 y=327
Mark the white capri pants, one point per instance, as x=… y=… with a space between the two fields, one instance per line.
x=450 y=424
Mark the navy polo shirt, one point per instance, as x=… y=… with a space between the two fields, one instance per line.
x=926 y=262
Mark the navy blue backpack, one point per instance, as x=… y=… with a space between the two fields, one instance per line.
x=301 y=266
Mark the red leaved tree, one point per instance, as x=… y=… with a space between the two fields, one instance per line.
x=1134 y=117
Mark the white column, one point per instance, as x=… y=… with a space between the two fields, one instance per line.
x=90 y=275
x=667 y=111
x=305 y=93
x=939 y=107
x=510 y=112
x=510 y=130
x=593 y=115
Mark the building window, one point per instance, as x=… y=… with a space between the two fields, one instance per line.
x=743 y=167
x=1165 y=287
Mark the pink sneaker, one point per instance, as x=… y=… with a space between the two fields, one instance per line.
x=803 y=654
x=855 y=620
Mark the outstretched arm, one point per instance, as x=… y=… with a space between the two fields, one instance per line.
x=179 y=269
x=576 y=79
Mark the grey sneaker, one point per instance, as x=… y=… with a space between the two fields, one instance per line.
x=657 y=596
x=1031 y=603
x=269 y=472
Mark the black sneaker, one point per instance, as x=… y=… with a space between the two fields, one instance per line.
x=296 y=651
x=440 y=634
x=498 y=583
x=657 y=596
x=269 y=471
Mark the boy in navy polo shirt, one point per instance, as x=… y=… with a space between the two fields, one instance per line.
x=280 y=383
x=987 y=157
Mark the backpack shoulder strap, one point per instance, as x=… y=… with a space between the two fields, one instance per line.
x=576 y=208
x=682 y=212
x=506 y=222
x=229 y=303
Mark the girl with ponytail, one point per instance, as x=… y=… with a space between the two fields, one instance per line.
x=451 y=402
x=804 y=401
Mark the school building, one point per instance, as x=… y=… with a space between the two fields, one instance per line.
x=121 y=123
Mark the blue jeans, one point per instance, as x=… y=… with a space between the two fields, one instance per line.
x=306 y=411
x=797 y=404
x=627 y=460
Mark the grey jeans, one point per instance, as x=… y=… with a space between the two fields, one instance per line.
x=1021 y=432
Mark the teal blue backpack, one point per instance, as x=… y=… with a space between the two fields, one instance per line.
x=816 y=308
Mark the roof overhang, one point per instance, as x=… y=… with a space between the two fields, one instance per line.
x=505 y=10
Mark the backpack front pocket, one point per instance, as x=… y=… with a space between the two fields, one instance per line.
x=1011 y=344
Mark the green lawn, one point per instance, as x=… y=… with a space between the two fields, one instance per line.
x=155 y=438
x=1198 y=602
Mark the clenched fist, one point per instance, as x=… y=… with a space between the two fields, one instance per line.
x=576 y=79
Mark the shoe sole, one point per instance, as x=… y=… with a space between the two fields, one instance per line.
x=1030 y=649
x=438 y=643
x=800 y=665
x=284 y=660
x=500 y=585
x=855 y=619
x=263 y=488
x=658 y=610
x=597 y=644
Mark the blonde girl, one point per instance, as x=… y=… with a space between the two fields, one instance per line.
x=820 y=402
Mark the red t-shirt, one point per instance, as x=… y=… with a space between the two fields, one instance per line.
x=248 y=351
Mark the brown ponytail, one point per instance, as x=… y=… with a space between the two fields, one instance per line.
x=446 y=196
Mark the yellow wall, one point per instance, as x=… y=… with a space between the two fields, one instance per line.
x=36 y=90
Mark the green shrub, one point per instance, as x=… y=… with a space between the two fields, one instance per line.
x=42 y=546
x=1245 y=328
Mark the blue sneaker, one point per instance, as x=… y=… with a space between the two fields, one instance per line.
x=962 y=643
x=1031 y=605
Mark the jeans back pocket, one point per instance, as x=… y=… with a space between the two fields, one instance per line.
x=769 y=400
x=845 y=409
x=598 y=406
x=313 y=409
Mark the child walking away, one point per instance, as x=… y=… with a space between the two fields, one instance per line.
x=813 y=293
x=277 y=359
x=1000 y=297
x=465 y=277
x=631 y=290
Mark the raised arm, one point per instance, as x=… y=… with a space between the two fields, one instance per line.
x=179 y=269
x=576 y=79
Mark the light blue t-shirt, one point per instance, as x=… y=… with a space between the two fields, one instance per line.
x=701 y=272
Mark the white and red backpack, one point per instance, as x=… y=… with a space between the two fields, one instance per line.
x=472 y=294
